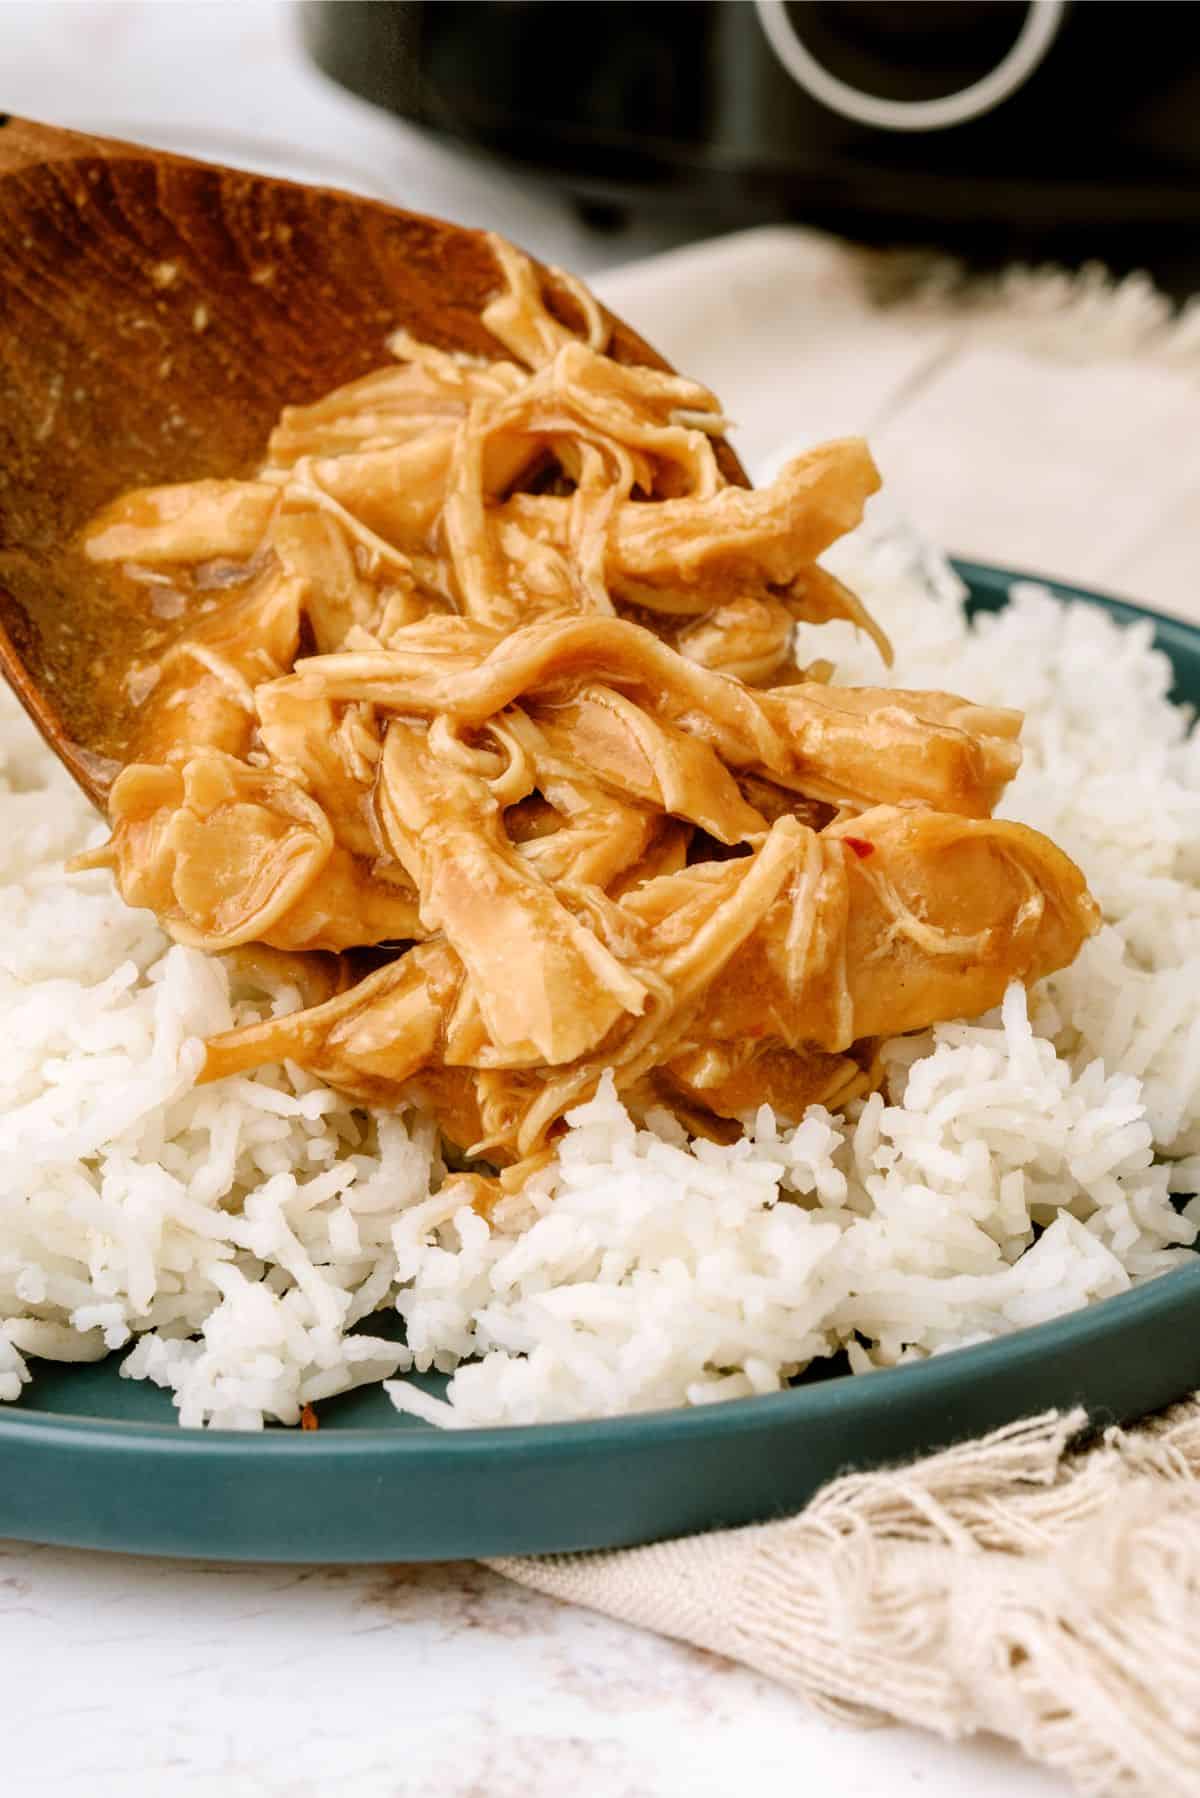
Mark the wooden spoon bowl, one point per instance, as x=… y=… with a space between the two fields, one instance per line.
x=156 y=314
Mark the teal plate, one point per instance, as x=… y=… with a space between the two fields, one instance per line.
x=94 y=1461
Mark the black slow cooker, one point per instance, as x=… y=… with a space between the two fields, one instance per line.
x=1051 y=127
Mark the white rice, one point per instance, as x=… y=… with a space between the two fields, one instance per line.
x=235 y=1234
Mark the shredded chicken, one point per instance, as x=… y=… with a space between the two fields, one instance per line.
x=490 y=671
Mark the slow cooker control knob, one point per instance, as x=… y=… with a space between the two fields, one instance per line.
x=838 y=53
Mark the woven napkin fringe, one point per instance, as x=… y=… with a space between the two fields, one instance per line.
x=1015 y=1584
x=1076 y=315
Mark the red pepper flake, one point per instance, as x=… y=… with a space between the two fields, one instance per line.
x=308 y=1419
x=860 y=847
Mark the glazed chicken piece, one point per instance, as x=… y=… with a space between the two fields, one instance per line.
x=490 y=673
x=659 y=733
x=227 y=854
x=761 y=977
x=848 y=745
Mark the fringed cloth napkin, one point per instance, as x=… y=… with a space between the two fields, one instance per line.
x=1017 y=1584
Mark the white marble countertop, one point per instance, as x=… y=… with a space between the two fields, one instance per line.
x=127 y=1678
x=134 y=1677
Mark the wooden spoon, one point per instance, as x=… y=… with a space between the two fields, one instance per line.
x=155 y=315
